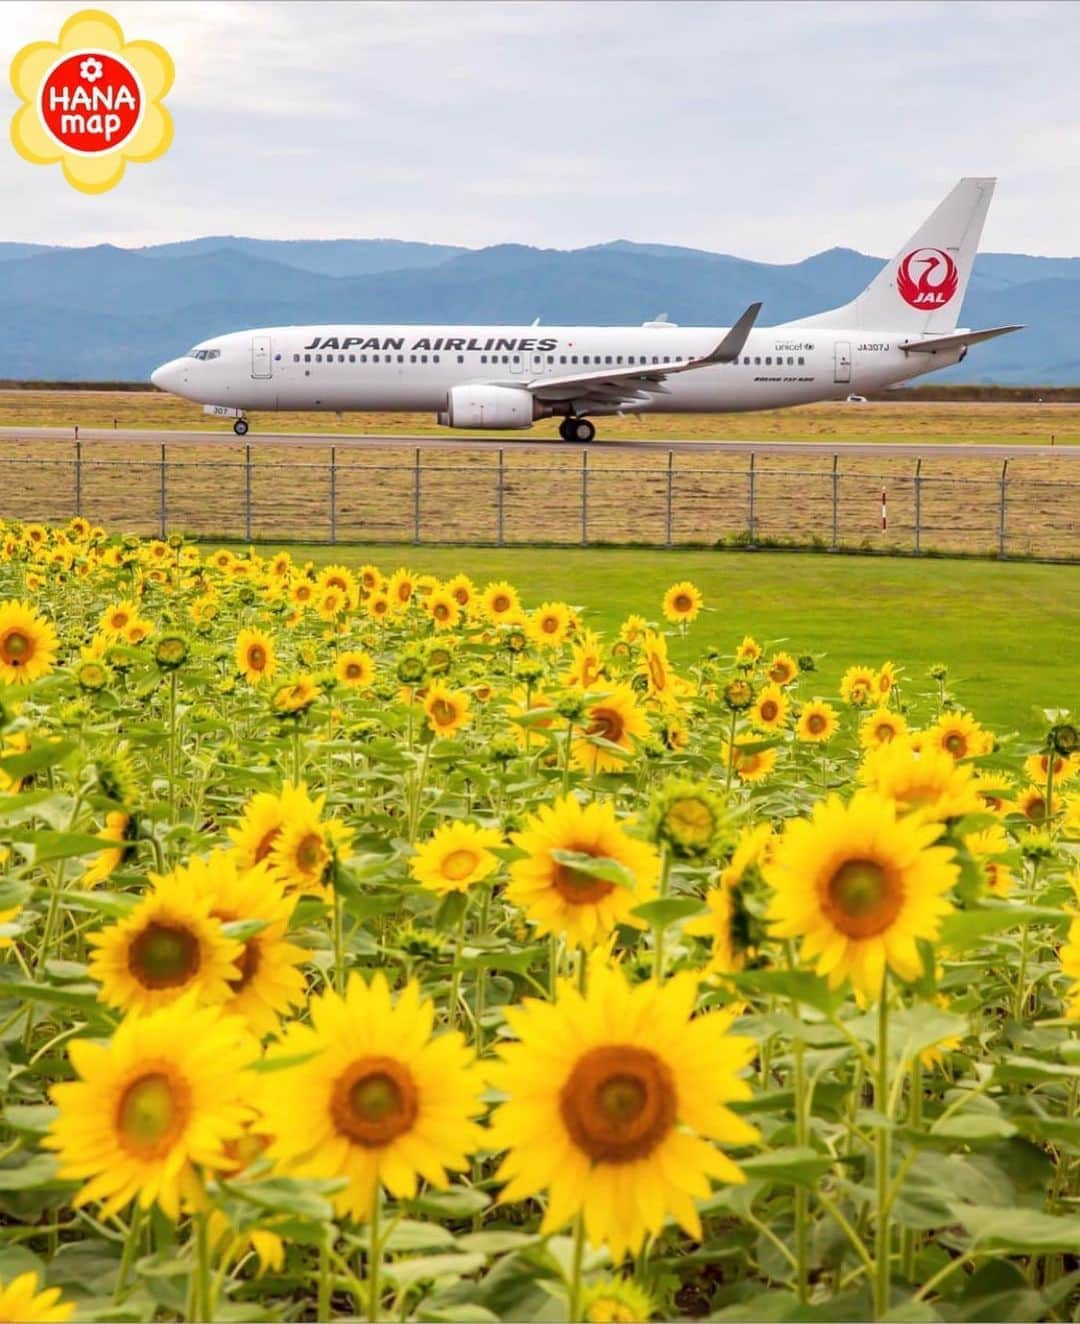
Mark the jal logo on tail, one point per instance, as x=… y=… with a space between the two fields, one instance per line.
x=927 y=278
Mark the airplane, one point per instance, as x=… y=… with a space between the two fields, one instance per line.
x=904 y=324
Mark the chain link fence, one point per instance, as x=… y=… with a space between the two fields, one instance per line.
x=956 y=503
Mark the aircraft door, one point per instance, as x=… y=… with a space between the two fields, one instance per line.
x=261 y=365
x=842 y=361
x=536 y=364
x=518 y=362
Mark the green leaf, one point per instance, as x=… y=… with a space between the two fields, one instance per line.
x=288 y=1195
x=967 y=928
x=668 y=910
x=801 y=985
x=497 y=1242
x=1032 y=1071
x=1008 y=1231
x=454 y=1202
x=82 y=996
x=515 y=963
x=974 y=1128
x=600 y=867
x=31 y=1118
x=47 y=755
x=409 y=1235
x=403 y=1273
x=38 y=1172
x=801 y=1166
x=50 y=845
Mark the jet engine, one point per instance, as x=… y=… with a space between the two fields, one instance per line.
x=484 y=406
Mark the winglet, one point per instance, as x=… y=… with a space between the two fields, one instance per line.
x=732 y=344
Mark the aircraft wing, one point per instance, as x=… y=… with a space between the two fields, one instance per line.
x=957 y=341
x=615 y=386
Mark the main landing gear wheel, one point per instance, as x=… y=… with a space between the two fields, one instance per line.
x=240 y=427
x=581 y=429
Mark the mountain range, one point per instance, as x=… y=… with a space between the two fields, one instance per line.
x=108 y=314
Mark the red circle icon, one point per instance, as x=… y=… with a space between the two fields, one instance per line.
x=91 y=102
x=927 y=278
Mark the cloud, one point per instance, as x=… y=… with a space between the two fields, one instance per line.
x=770 y=131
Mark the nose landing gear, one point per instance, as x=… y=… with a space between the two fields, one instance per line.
x=240 y=427
x=577 y=429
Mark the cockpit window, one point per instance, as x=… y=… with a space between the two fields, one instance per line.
x=203 y=354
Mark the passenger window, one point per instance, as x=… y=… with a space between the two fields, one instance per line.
x=573 y=358
x=757 y=360
x=517 y=358
x=352 y=358
x=562 y=358
x=608 y=359
x=506 y=358
x=318 y=358
x=296 y=358
x=423 y=358
x=400 y=358
x=768 y=360
x=802 y=361
x=746 y=360
x=461 y=358
x=667 y=359
x=341 y=358
x=435 y=358
x=551 y=358
x=655 y=359
x=363 y=358
x=618 y=358
x=307 y=358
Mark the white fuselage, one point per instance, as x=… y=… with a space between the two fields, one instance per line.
x=338 y=367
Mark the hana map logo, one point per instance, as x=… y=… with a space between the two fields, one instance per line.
x=91 y=101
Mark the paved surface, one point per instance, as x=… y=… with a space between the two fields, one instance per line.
x=516 y=441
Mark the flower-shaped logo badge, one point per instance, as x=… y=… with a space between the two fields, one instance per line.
x=91 y=101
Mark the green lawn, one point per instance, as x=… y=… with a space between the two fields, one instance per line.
x=1006 y=631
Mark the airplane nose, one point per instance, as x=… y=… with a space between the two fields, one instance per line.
x=167 y=376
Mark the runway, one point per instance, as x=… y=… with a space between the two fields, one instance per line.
x=515 y=442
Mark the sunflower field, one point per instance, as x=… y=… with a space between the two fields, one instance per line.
x=385 y=948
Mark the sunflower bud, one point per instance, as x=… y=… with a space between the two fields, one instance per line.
x=411 y=670
x=516 y=640
x=687 y=817
x=1064 y=739
x=91 y=676
x=171 y=651
x=738 y=695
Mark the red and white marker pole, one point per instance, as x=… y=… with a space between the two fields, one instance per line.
x=884 y=511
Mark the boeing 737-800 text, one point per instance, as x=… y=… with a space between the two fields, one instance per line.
x=901 y=326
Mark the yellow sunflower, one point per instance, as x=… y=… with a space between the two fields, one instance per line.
x=354 y=669
x=995 y=790
x=662 y=684
x=960 y=735
x=22 y=1303
x=500 y=602
x=378 y=606
x=782 y=669
x=860 y=886
x=169 y=945
x=587 y=667
x=377 y=1099
x=263 y=818
x=769 y=711
x=1031 y=802
x=330 y=603
x=1037 y=767
x=1069 y=955
x=633 y=628
x=265 y=982
x=153 y=1107
x=455 y=857
x=443 y=609
x=256 y=659
x=616 y=1102
x=929 y=781
x=748 y=652
x=727 y=924
x=303 y=850
x=447 y=710
x=616 y=1301
x=115 y=619
x=881 y=727
x=524 y=703
x=302 y=593
x=28 y=644
x=462 y=590
x=859 y=685
x=549 y=625
x=119 y=827
x=563 y=895
x=400 y=589
x=886 y=681
x=750 y=765
x=615 y=719
x=682 y=602
x=985 y=845
x=342 y=580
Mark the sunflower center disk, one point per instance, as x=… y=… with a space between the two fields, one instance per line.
x=956 y=745
x=578 y=887
x=152 y=1112
x=374 y=1101
x=15 y=647
x=607 y=724
x=618 y=1103
x=683 y=603
x=459 y=864
x=256 y=658
x=310 y=853
x=769 y=710
x=443 y=712
x=164 y=956
x=863 y=898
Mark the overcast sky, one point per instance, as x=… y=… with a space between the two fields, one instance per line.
x=768 y=130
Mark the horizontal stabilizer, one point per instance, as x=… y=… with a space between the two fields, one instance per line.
x=957 y=341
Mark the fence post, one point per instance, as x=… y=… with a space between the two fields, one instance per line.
x=162 y=499
x=500 y=497
x=78 y=478
x=247 y=492
x=584 y=498
x=668 y=533
x=416 y=500
x=1001 y=509
x=750 y=523
x=918 y=506
x=835 y=502
x=333 y=494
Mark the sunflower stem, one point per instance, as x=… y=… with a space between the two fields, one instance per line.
x=374 y=1258
x=203 y=1305
x=481 y=972
x=883 y=1157
x=1050 y=757
x=730 y=754
x=131 y=1250
x=553 y=965
x=573 y=1313
x=802 y=1139
x=296 y=754
x=658 y=942
x=172 y=746
x=339 y=939
x=908 y=1236
x=324 y=1276
x=455 y=977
